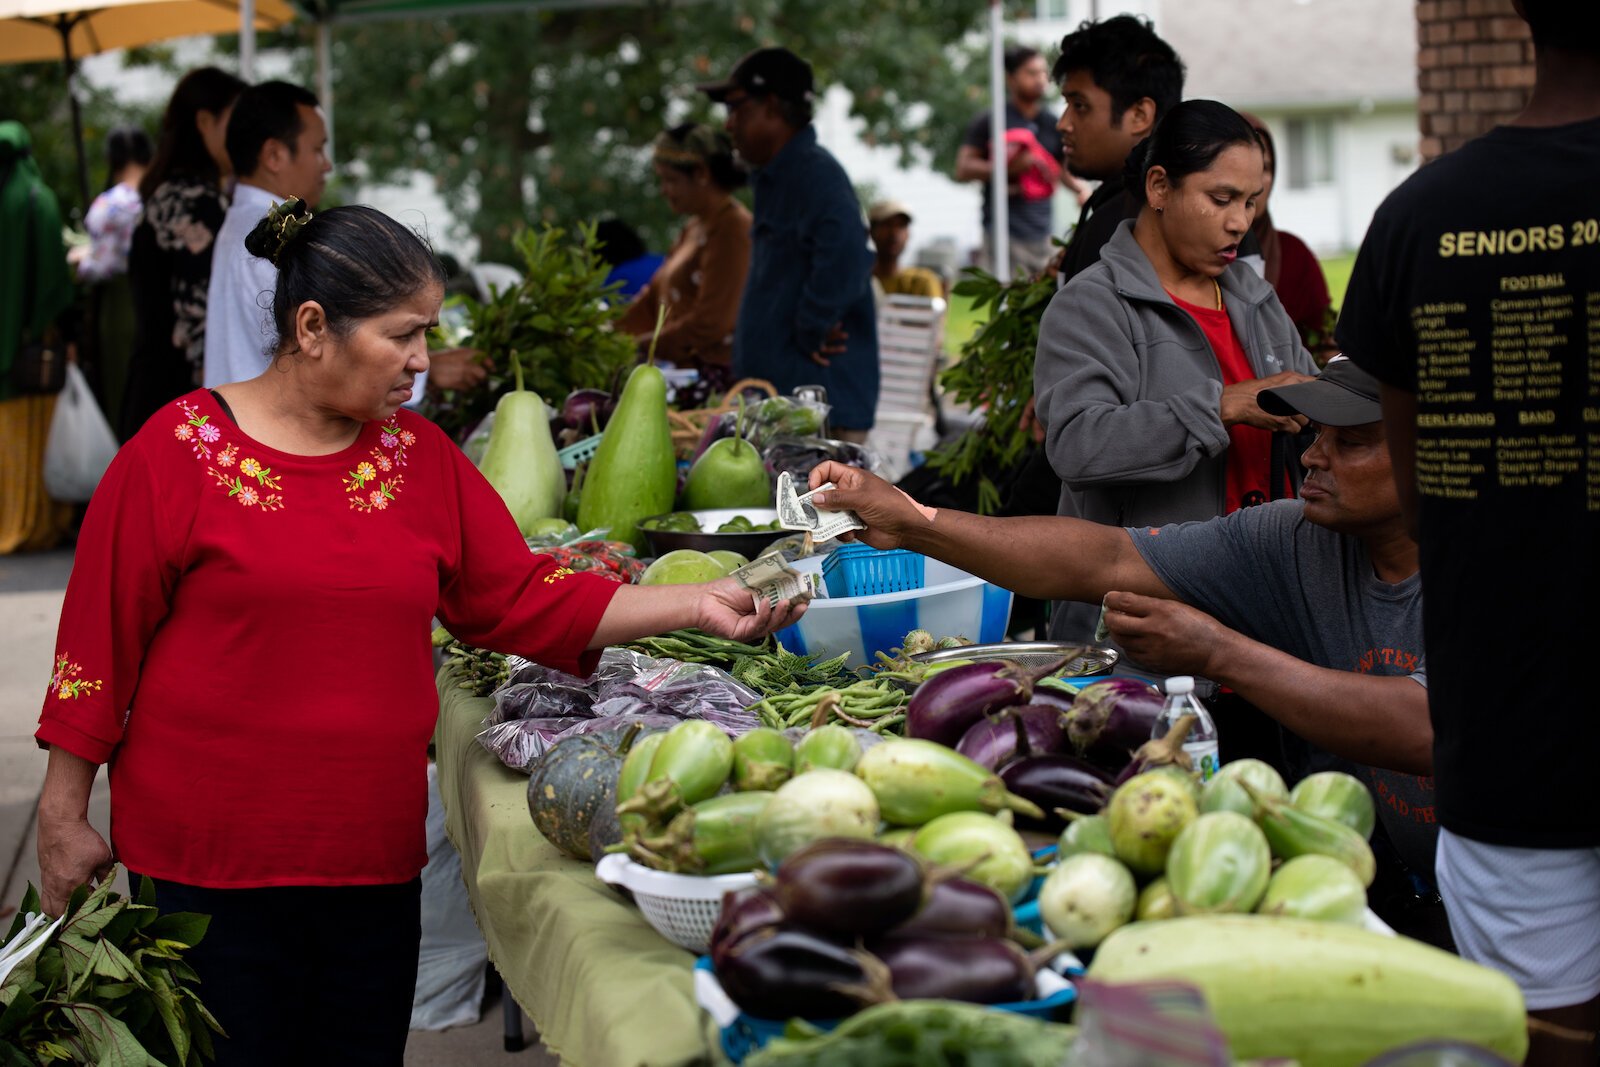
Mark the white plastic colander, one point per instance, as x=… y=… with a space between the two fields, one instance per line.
x=683 y=908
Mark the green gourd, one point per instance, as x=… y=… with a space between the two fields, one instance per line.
x=634 y=474
x=521 y=461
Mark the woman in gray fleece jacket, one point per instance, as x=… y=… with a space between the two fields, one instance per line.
x=1139 y=406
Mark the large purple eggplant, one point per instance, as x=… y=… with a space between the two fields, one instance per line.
x=979 y=970
x=1033 y=729
x=1057 y=781
x=842 y=886
x=1110 y=720
x=744 y=911
x=781 y=972
x=947 y=705
x=961 y=907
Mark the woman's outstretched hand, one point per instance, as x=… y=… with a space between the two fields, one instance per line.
x=727 y=609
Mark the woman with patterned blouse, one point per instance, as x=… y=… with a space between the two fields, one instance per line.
x=246 y=641
x=169 y=262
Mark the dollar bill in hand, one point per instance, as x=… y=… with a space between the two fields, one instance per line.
x=763 y=571
x=829 y=524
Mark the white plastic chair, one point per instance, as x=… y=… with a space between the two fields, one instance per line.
x=910 y=341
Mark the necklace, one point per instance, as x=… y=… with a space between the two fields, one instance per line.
x=1218 y=288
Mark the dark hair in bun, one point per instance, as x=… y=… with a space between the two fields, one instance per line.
x=1187 y=140
x=356 y=262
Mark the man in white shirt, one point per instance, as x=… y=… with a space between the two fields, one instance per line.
x=277 y=141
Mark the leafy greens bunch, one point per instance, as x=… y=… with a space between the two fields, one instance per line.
x=109 y=985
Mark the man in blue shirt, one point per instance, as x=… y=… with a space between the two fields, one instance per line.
x=806 y=317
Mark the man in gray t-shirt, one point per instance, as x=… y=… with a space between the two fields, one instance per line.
x=1307 y=609
x=1273 y=576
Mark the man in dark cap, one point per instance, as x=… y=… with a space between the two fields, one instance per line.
x=806 y=317
x=1310 y=609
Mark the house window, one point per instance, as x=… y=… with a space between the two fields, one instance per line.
x=1310 y=156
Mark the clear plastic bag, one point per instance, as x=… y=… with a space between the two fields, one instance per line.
x=1146 y=1024
x=539 y=705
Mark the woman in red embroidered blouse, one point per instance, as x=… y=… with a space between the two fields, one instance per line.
x=245 y=637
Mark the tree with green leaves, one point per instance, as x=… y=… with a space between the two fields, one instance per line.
x=548 y=116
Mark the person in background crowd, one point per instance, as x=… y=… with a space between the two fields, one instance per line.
x=632 y=263
x=35 y=289
x=104 y=262
x=1288 y=265
x=169 y=262
x=700 y=282
x=245 y=641
x=1478 y=312
x=889 y=226
x=277 y=144
x=806 y=316
x=1149 y=362
x=1310 y=608
x=1117 y=80
x=1033 y=163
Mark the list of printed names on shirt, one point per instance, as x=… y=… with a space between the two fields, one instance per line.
x=1529 y=416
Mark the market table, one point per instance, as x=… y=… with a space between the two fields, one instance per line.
x=604 y=989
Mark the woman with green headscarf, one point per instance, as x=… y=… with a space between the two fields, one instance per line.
x=35 y=288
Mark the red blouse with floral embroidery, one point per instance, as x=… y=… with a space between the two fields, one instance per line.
x=245 y=640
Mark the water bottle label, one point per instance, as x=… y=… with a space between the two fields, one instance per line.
x=1203 y=756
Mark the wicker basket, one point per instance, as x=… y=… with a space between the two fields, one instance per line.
x=689 y=426
x=682 y=908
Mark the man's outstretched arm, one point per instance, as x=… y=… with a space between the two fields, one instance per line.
x=1379 y=721
x=1045 y=557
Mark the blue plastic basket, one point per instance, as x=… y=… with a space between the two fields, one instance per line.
x=581 y=452
x=747 y=1033
x=855 y=569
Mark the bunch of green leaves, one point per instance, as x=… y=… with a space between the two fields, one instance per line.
x=555 y=327
x=923 y=1033
x=782 y=671
x=109 y=986
x=995 y=373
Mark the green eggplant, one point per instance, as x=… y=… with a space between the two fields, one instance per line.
x=917 y=780
x=830 y=746
x=715 y=836
x=763 y=759
x=635 y=769
x=691 y=764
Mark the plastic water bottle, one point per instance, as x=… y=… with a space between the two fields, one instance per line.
x=1201 y=744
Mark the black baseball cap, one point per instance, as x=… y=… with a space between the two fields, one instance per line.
x=766 y=72
x=1342 y=395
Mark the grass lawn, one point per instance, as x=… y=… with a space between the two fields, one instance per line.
x=962 y=321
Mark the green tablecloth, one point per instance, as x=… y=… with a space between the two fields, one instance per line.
x=604 y=989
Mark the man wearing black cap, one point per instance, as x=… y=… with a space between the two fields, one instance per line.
x=806 y=317
x=1310 y=609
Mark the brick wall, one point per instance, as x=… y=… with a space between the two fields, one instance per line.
x=1474 y=69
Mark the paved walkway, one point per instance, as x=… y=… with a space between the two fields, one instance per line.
x=31 y=588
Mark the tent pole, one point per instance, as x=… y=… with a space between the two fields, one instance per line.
x=247 y=40
x=1000 y=180
x=325 y=75
x=65 y=25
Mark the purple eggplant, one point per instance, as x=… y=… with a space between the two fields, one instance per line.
x=744 y=911
x=1057 y=781
x=1165 y=751
x=1055 y=696
x=947 y=705
x=979 y=970
x=1033 y=729
x=781 y=972
x=843 y=886
x=1110 y=720
x=963 y=907
x=587 y=410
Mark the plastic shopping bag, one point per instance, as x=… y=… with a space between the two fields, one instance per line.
x=80 y=446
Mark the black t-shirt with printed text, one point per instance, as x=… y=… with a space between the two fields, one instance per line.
x=1478 y=290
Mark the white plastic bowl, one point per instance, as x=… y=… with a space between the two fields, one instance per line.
x=952 y=603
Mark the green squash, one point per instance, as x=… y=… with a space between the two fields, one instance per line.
x=574 y=784
x=634 y=474
x=521 y=461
